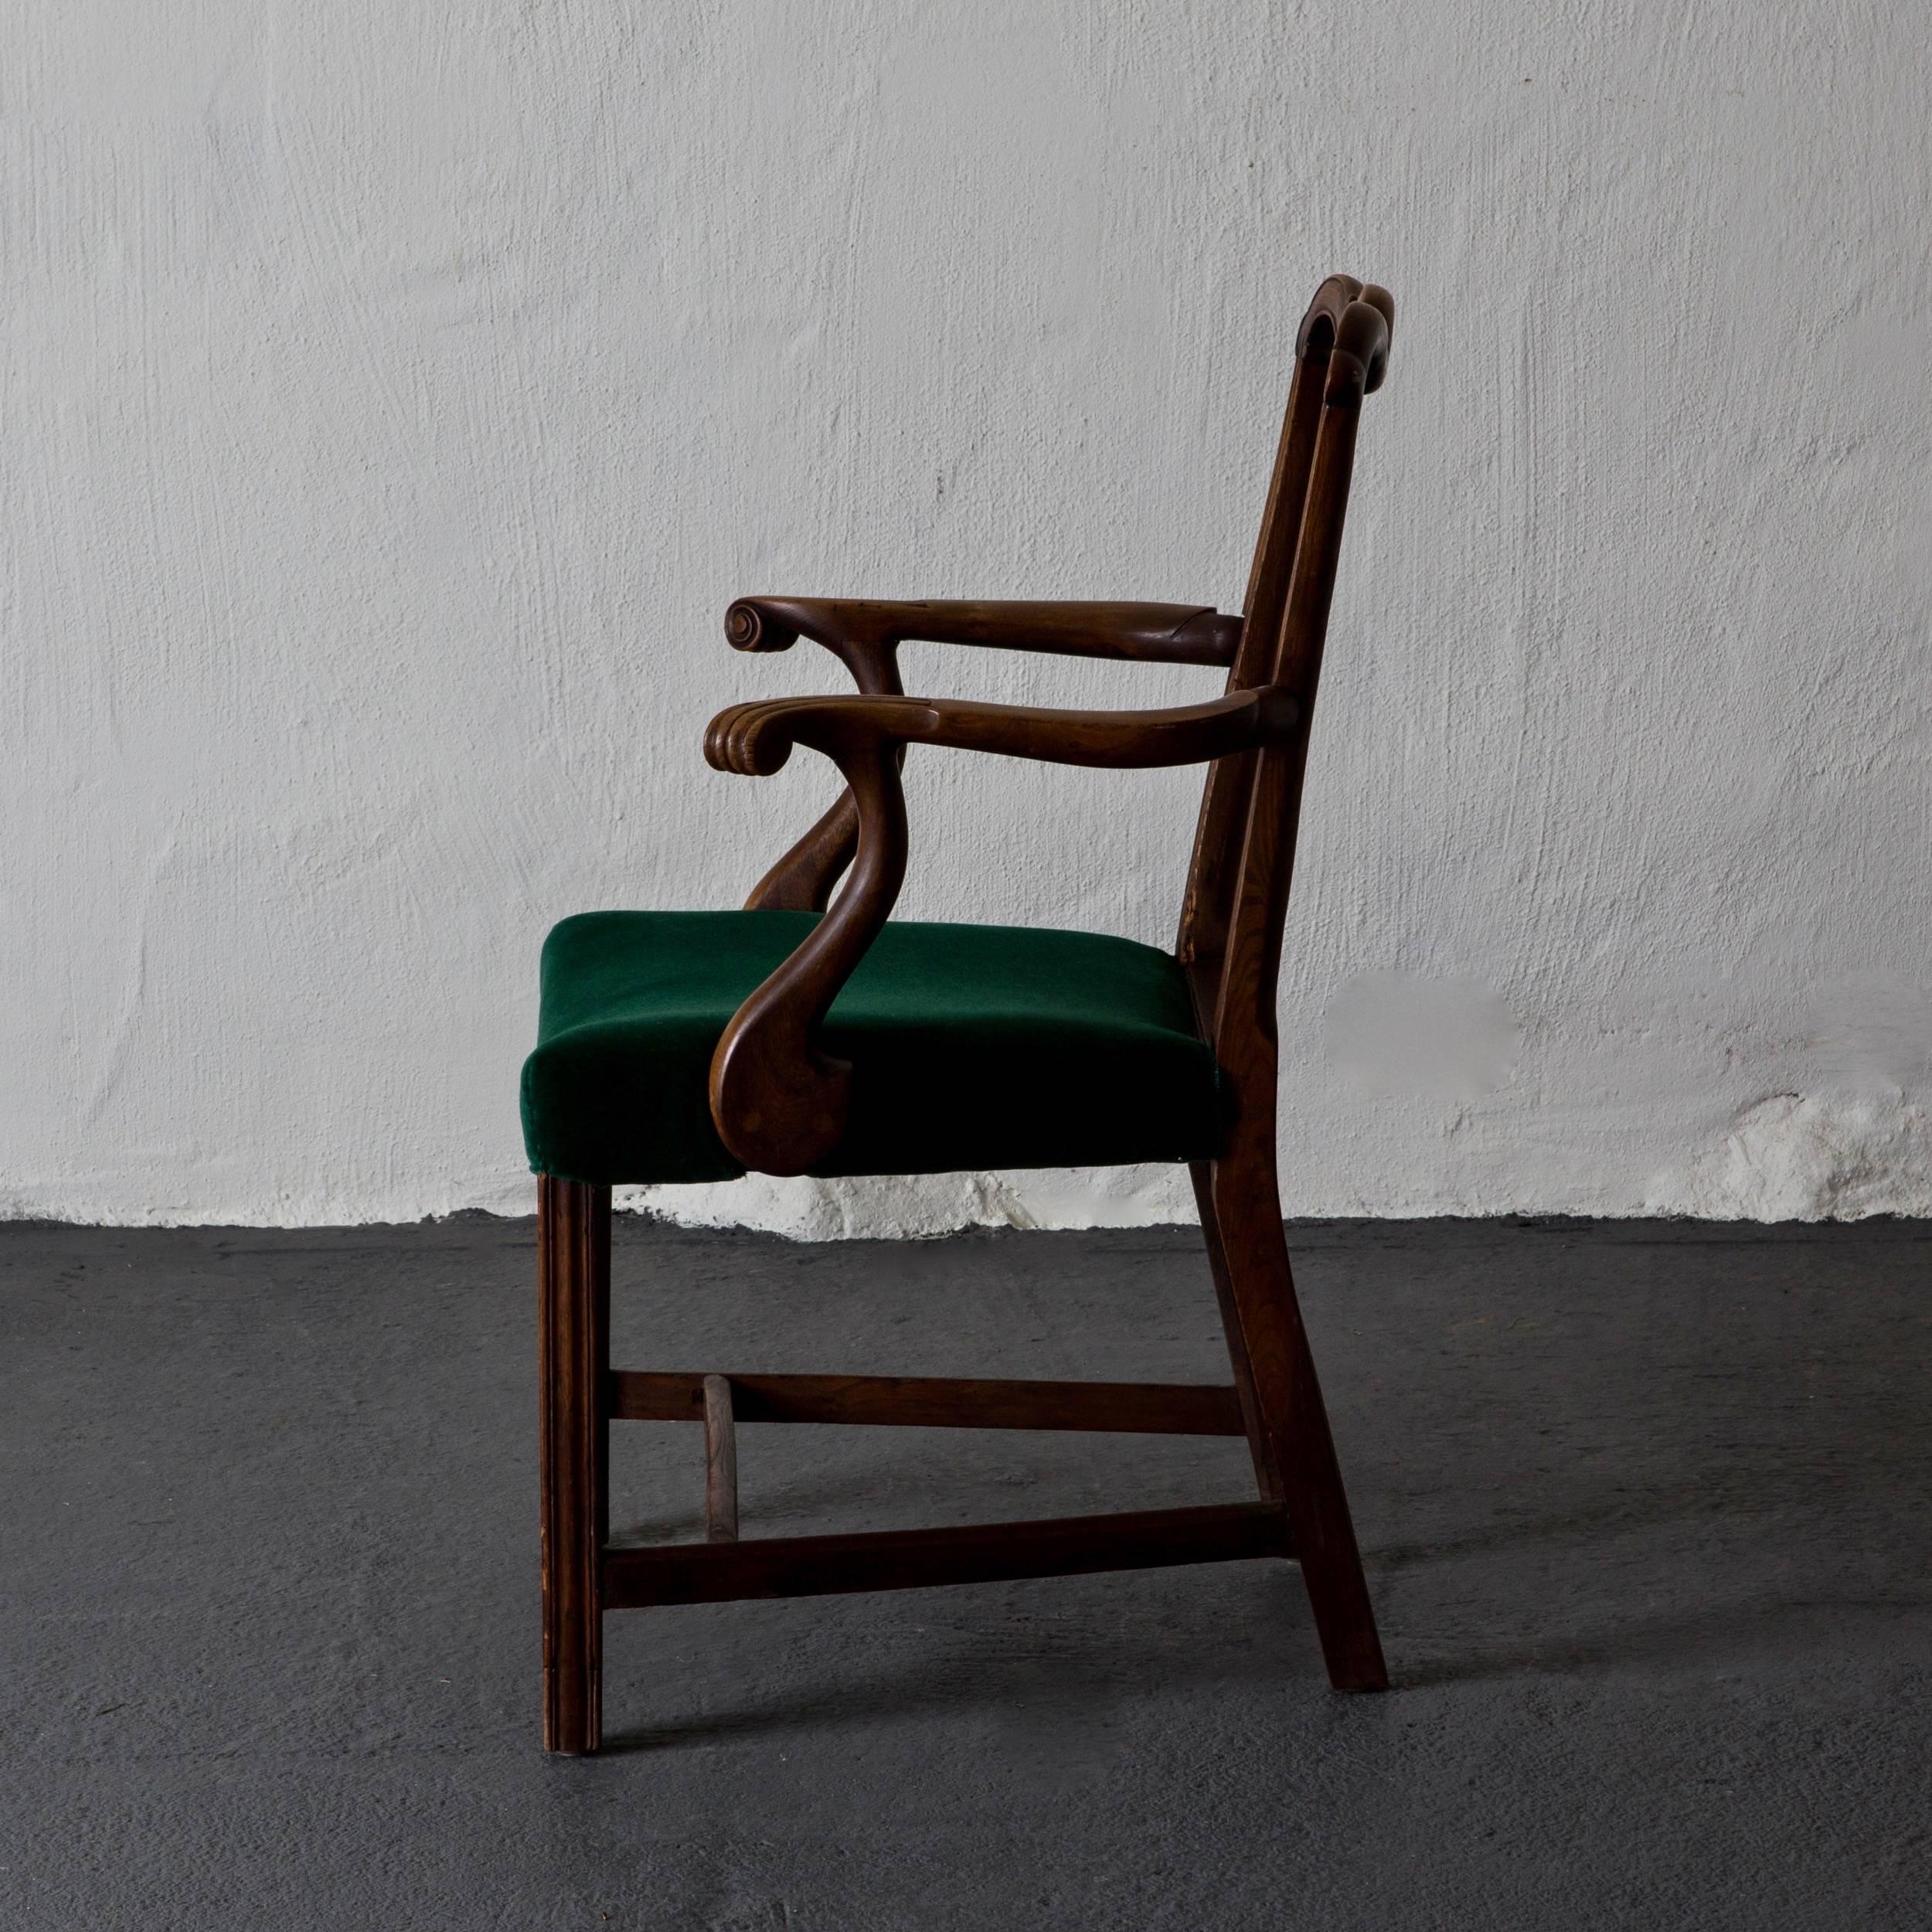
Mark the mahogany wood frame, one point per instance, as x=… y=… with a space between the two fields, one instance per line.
x=779 y=1102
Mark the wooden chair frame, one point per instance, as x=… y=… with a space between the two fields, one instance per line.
x=779 y=1102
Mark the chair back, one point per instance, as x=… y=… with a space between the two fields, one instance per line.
x=1237 y=892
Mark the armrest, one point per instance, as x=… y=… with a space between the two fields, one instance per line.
x=865 y=634
x=1151 y=632
x=757 y=739
x=778 y=1102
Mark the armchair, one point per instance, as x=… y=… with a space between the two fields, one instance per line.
x=806 y=1035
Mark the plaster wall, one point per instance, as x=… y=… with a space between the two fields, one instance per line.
x=394 y=396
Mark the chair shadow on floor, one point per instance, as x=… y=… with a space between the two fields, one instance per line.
x=1718 y=1632
x=1184 y=1646
x=1057 y=1679
x=1729 y=1543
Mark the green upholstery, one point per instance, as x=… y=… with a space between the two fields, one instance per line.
x=971 y=1046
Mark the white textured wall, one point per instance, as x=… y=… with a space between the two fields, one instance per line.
x=396 y=394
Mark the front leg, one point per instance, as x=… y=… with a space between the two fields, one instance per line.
x=573 y=1351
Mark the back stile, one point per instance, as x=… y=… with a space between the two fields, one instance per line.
x=1208 y=907
x=1244 y=1016
x=1239 y=1191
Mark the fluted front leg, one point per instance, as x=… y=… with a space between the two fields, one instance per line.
x=573 y=1294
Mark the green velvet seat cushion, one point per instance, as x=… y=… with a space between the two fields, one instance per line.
x=971 y=1046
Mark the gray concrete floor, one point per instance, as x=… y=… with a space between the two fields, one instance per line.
x=1645 y=1509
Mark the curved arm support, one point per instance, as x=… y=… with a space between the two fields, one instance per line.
x=802 y=880
x=779 y=1102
